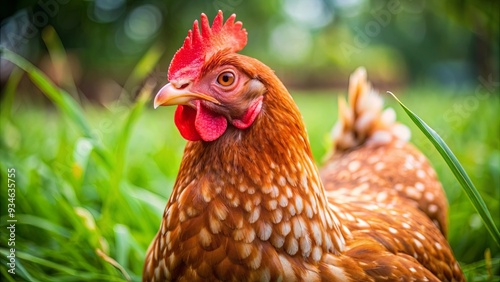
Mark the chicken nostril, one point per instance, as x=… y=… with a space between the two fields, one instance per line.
x=180 y=85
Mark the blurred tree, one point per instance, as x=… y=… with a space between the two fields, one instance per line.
x=482 y=18
x=309 y=43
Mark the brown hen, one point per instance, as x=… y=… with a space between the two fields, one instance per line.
x=249 y=203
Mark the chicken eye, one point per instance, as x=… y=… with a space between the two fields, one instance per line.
x=226 y=78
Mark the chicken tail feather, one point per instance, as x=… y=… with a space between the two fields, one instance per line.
x=363 y=120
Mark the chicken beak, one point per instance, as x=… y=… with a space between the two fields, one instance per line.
x=171 y=95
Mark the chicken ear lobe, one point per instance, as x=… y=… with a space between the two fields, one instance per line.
x=250 y=115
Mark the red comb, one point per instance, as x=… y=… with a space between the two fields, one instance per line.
x=198 y=47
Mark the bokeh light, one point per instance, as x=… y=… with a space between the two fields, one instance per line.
x=143 y=22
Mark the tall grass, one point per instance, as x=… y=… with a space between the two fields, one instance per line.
x=92 y=184
x=457 y=169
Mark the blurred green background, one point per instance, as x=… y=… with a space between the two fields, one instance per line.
x=95 y=164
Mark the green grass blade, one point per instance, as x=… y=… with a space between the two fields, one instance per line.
x=6 y=275
x=144 y=66
x=121 y=146
x=43 y=224
x=9 y=92
x=59 y=58
x=60 y=98
x=458 y=171
x=44 y=262
x=140 y=71
x=21 y=274
x=62 y=269
x=143 y=98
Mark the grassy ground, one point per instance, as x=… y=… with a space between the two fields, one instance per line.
x=91 y=189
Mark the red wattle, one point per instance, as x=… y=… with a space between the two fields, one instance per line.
x=184 y=120
x=209 y=125
x=200 y=123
